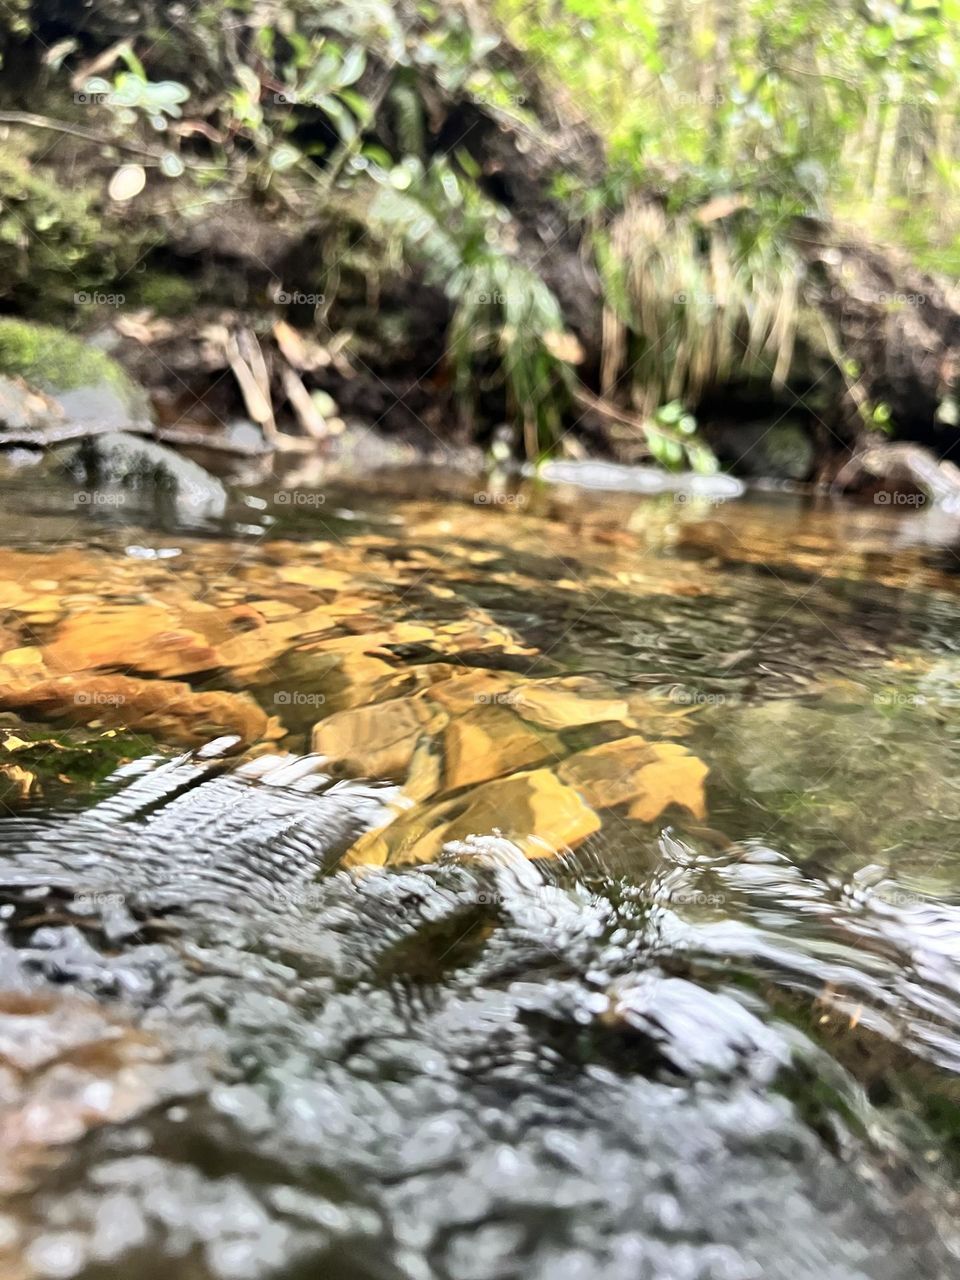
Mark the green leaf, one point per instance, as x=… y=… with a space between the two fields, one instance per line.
x=948 y=411
x=284 y=157
x=358 y=104
x=343 y=121
x=670 y=414
x=171 y=164
x=401 y=179
x=250 y=81
x=353 y=66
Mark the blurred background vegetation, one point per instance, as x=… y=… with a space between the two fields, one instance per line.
x=592 y=220
x=846 y=109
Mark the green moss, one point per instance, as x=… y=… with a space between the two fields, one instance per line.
x=56 y=361
x=63 y=762
x=47 y=233
x=164 y=293
x=55 y=243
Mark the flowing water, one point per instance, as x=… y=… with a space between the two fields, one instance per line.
x=475 y=886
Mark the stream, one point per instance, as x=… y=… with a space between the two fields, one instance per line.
x=403 y=880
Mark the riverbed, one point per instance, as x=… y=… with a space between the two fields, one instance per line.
x=416 y=877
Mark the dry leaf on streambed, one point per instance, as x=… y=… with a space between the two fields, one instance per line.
x=16 y=783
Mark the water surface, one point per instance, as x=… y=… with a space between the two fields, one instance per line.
x=570 y=888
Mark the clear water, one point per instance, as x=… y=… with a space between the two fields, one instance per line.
x=714 y=1045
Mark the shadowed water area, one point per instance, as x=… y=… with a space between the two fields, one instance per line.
x=400 y=886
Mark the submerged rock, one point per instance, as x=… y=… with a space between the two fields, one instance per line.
x=618 y=477
x=117 y=459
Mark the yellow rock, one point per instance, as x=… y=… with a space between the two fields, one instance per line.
x=252 y=651
x=675 y=778
x=136 y=637
x=13 y=594
x=376 y=741
x=28 y=656
x=169 y=709
x=606 y=775
x=308 y=575
x=41 y=603
x=465 y=691
x=563 y=704
x=648 y=776
x=273 y=610
x=489 y=741
x=425 y=775
x=535 y=810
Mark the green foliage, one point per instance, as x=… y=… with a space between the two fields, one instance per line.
x=163 y=292
x=507 y=326
x=324 y=83
x=14 y=21
x=672 y=440
x=722 y=122
x=800 y=104
x=52 y=240
x=690 y=307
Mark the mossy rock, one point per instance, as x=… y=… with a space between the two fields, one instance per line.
x=91 y=387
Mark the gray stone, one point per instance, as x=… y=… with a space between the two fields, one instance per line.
x=118 y=460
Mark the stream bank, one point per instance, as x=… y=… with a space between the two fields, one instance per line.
x=435 y=246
